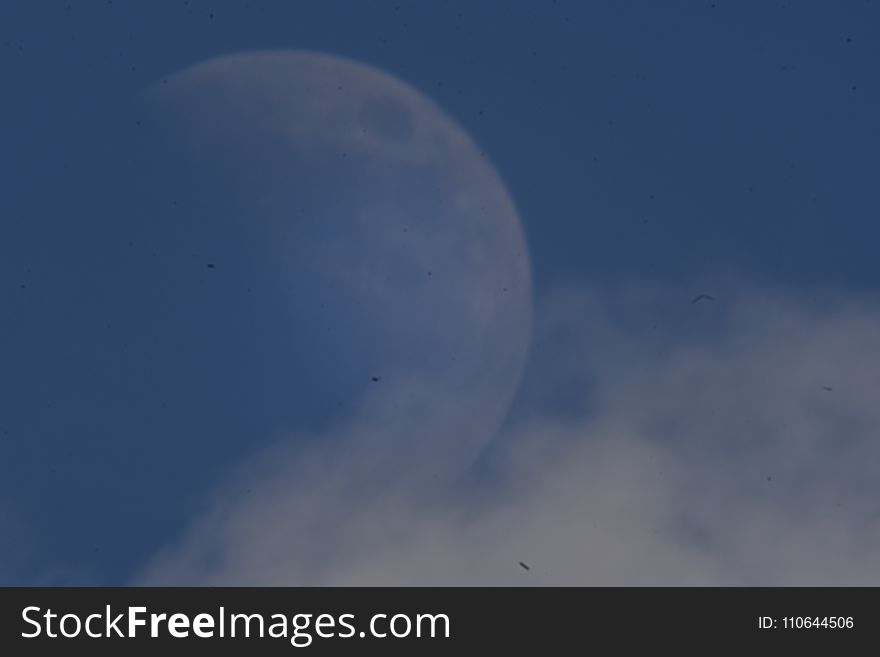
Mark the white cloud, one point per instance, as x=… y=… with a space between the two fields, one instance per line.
x=656 y=442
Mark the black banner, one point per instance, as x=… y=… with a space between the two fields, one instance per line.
x=276 y=621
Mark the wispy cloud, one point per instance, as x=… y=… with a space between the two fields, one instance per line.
x=655 y=442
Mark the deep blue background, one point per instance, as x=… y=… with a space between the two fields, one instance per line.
x=687 y=142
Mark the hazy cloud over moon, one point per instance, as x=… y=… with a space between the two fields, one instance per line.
x=714 y=457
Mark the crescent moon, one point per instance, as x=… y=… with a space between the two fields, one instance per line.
x=407 y=267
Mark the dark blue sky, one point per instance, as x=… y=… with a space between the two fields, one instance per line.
x=681 y=142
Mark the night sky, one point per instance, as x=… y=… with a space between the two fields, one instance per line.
x=183 y=400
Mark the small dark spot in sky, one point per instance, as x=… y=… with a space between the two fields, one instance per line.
x=210 y=265
x=429 y=273
x=702 y=297
x=828 y=388
x=769 y=478
x=524 y=566
x=376 y=379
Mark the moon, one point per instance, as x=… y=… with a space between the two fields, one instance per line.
x=404 y=277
